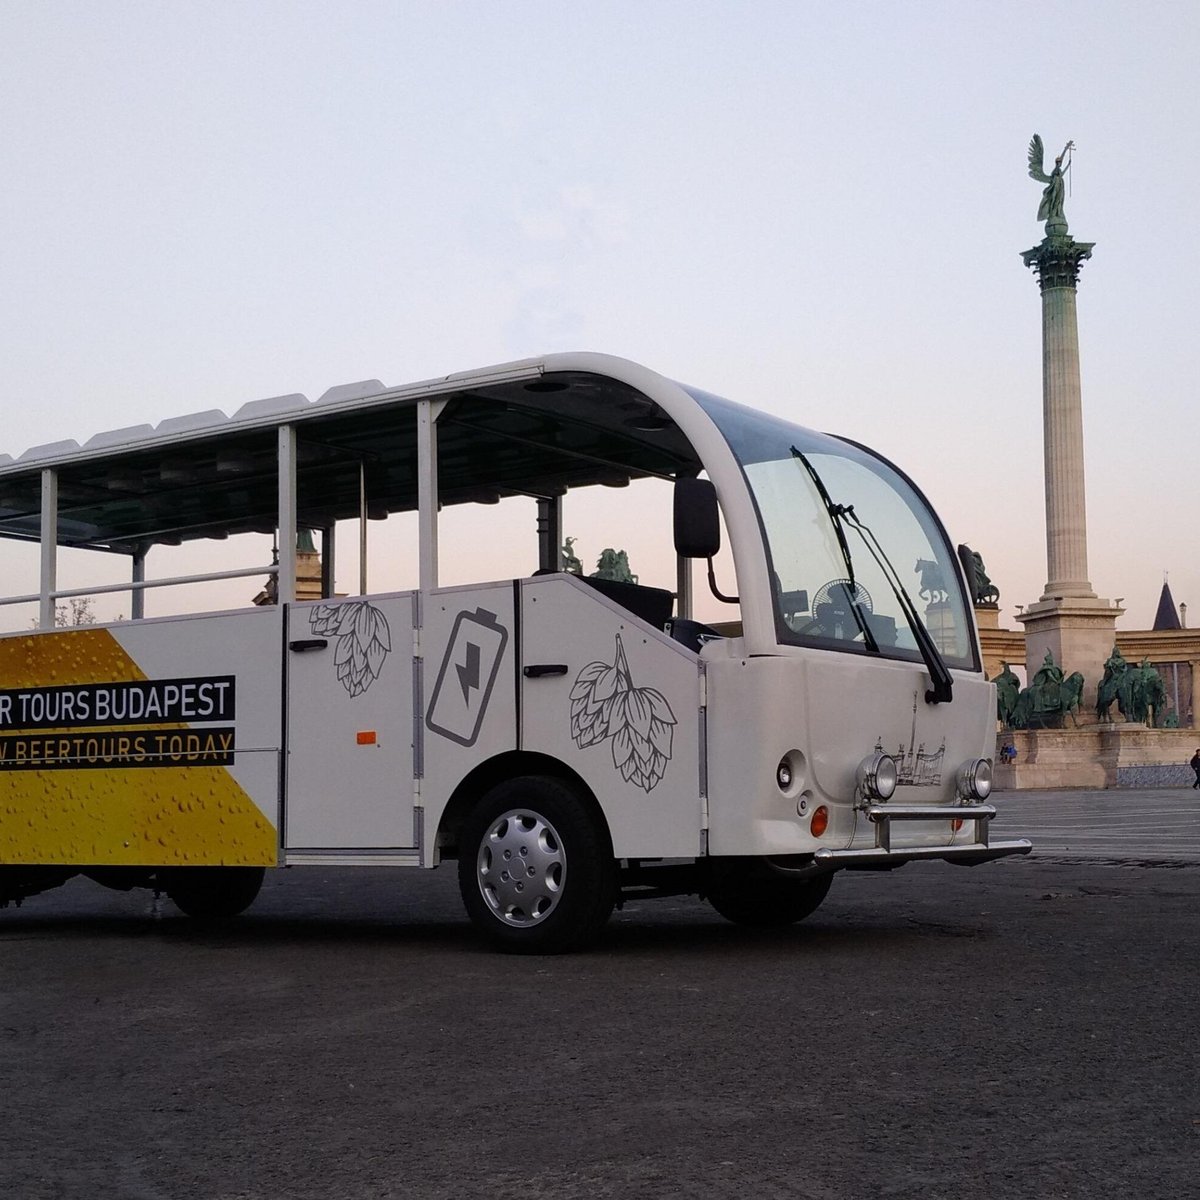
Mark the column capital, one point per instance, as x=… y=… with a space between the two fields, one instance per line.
x=1057 y=259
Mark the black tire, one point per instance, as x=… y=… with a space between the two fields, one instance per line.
x=766 y=901
x=535 y=867
x=212 y=893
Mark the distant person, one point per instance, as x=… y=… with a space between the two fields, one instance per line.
x=1195 y=765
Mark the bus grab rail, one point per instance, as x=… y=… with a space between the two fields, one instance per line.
x=137 y=585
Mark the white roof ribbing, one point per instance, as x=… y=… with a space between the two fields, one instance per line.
x=271 y=406
x=262 y=411
x=352 y=391
x=185 y=424
x=49 y=450
x=115 y=437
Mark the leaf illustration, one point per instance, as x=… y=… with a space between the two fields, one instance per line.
x=589 y=722
x=622 y=749
x=323 y=619
x=662 y=734
x=586 y=678
x=638 y=712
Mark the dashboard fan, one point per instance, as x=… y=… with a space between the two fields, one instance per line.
x=838 y=596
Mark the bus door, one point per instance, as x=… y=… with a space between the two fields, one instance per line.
x=350 y=724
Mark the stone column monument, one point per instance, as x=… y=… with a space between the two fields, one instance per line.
x=1069 y=620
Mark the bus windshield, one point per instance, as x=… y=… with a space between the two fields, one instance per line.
x=830 y=589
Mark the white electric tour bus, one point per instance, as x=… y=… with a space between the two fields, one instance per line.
x=572 y=741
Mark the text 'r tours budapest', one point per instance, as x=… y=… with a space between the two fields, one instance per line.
x=139 y=702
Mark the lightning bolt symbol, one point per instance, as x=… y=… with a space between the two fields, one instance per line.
x=468 y=672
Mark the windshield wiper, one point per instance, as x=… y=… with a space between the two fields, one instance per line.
x=836 y=512
x=942 y=691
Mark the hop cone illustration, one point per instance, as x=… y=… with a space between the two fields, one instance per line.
x=605 y=704
x=330 y=620
x=363 y=641
x=592 y=702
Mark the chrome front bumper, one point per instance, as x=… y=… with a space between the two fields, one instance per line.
x=969 y=855
x=883 y=856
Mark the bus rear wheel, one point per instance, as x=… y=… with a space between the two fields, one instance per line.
x=767 y=901
x=212 y=893
x=535 y=867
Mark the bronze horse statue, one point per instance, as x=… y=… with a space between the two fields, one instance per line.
x=1049 y=699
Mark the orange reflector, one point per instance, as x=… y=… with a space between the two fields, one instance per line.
x=820 y=821
x=956 y=824
x=366 y=737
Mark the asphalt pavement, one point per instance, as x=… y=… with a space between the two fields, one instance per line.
x=1119 y=825
x=1020 y=1030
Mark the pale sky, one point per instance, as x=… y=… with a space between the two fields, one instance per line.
x=815 y=209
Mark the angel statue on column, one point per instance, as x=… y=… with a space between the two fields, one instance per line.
x=1051 y=208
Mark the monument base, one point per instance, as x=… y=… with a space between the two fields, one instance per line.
x=1117 y=755
x=1079 y=633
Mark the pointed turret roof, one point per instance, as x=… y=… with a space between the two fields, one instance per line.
x=1167 y=616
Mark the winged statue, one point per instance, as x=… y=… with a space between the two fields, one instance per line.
x=1051 y=208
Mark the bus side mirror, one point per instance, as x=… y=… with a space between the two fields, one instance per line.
x=697 y=523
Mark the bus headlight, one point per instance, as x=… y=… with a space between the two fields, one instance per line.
x=877 y=776
x=783 y=775
x=975 y=779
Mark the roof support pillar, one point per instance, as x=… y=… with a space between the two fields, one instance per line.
x=427 y=489
x=49 y=547
x=328 y=550
x=549 y=528
x=286 y=533
x=137 y=600
x=363 y=515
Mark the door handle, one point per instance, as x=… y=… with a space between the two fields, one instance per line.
x=537 y=670
x=308 y=644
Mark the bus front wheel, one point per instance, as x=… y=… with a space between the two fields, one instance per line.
x=535 y=867
x=764 y=900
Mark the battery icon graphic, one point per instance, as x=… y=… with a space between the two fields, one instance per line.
x=465 y=678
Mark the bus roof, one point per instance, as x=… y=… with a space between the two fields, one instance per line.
x=529 y=428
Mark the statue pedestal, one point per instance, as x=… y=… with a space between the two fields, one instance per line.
x=987 y=615
x=1119 y=754
x=1079 y=633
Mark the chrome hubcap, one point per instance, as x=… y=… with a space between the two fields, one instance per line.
x=521 y=868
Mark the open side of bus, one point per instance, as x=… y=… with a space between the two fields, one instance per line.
x=571 y=740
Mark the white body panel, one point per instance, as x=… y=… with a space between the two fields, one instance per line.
x=468 y=686
x=828 y=710
x=641 y=758
x=350 y=724
x=244 y=645
x=144 y=743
